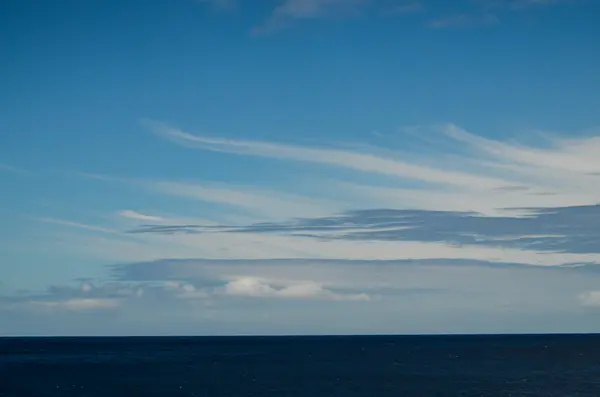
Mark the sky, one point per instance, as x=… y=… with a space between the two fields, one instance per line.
x=229 y=167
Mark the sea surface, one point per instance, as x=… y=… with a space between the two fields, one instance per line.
x=345 y=366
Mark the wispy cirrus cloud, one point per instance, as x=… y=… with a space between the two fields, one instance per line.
x=479 y=200
x=291 y=10
x=287 y=12
x=77 y=225
x=138 y=216
x=465 y=198
x=567 y=229
x=559 y=172
x=246 y=201
x=259 y=202
x=13 y=169
x=469 y=13
x=358 y=161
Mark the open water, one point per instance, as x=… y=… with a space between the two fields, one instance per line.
x=345 y=366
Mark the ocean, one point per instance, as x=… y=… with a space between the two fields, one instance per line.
x=340 y=366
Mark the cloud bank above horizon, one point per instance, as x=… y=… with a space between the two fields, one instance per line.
x=454 y=217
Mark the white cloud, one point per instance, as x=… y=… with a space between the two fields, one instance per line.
x=246 y=245
x=486 y=202
x=590 y=298
x=67 y=223
x=439 y=286
x=290 y=10
x=483 y=179
x=254 y=203
x=262 y=203
x=256 y=287
x=138 y=216
x=86 y=287
x=491 y=177
x=183 y=290
x=578 y=155
x=76 y=304
x=358 y=161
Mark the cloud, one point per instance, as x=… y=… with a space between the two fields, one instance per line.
x=454 y=195
x=474 y=199
x=172 y=289
x=355 y=160
x=262 y=243
x=305 y=296
x=400 y=277
x=184 y=290
x=113 y=296
x=567 y=229
x=255 y=287
x=566 y=155
x=243 y=201
x=290 y=10
x=84 y=298
x=449 y=222
x=419 y=289
x=482 y=172
x=68 y=223
x=262 y=202
x=590 y=298
x=74 y=304
x=131 y=214
x=480 y=12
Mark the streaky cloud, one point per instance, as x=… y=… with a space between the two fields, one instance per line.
x=358 y=161
x=483 y=175
x=562 y=229
x=13 y=169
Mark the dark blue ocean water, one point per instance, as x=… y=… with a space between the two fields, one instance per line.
x=401 y=366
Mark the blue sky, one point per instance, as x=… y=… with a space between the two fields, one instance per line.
x=299 y=166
